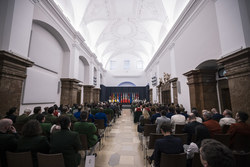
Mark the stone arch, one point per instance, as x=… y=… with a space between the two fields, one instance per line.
x=55 y=33
x=207 y=65
x=126 y=83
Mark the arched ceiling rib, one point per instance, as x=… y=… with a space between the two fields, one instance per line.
x=114 y=27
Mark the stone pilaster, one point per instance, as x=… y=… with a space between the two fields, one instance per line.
x=69 y=91
x=96 y=95
x=12 y=75
x=237 y=67
x=202 y=89
x=88 y=94
x=174 y=87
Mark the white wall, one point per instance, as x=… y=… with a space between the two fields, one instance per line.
x=16 y=20
x=195 y=43
x=42 y=84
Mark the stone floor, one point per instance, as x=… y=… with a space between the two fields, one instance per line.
x=122 y=147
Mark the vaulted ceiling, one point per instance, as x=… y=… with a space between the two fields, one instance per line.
x=116 y=28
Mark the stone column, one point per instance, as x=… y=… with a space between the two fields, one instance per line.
x=96 y=95
x=175 y=92
x=69 y=91
x=202 y=89
x=237 y=67
x=12 y=76
x=88 y=94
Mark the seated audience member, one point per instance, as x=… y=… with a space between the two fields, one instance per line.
x=101 y=115
x=78 y=113
x=171 y=112
x=227 y=120
x=198 y=117
x=8 y=139
x=162 y=119
x=216 y=116
x=91 y=117
x=183 y=112
x=201 y=132
x=11 y=114
x=37 y=110
x=215 y=154
x=212 y=125
x=241 y=127
x=66 y=142
x=32 y=140
x=168 y=145
x=50 y=117
x=65 y=112
x=45 y=110
x=57 y=112
x=156 y=115
x=190 y=127
x=87 y=128
x=177 y=119
x=22 y=119
x=45 y=126
x=145 y=116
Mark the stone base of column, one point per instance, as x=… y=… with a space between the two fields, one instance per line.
x=237 y=67
x=69 y=91
x=96 y=95
x=202 y=89
x=88 y=94
x=12 y=76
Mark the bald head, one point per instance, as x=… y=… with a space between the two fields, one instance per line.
x=5 y=125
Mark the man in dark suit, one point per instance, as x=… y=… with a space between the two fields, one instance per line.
x=66 y=142
x=168 y=145
x=190 y=127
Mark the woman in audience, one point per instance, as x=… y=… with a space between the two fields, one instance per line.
x=144 y=117
x=32 y=140
x=66 y=142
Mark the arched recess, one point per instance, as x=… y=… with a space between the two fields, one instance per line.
x=50 y=54
x=83 y=70
x=207 y=65
x=126 y=83
x=101 y=79
x=222 y=88
x=95 y=77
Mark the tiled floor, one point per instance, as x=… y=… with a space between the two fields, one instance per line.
x=122 y=146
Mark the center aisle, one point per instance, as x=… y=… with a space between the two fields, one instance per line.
x=122 y=142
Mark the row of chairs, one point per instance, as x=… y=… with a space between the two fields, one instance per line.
x=179 y=160
x=24 y=159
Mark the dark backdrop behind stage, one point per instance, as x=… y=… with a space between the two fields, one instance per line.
x=106 y=92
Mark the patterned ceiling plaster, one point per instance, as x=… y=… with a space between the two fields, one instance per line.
x=115 y=27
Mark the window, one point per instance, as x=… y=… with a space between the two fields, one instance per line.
x=126 y=64
x=112 y=65
x=139 y=65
